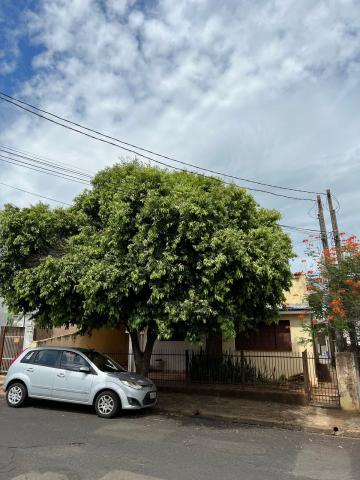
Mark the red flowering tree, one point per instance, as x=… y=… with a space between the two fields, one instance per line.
x=334 y=291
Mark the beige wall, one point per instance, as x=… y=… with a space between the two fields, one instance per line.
x=297 y=293
x=104 y=340
x=297 y=332
x=282 y=364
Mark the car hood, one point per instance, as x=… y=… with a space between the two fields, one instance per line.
x=132 y=377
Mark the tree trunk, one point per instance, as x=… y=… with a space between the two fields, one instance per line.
x=142 y=358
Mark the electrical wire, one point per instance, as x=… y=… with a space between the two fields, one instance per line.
x=66 y=170
x=41 y=157
x=33 y=193
x=302 y=229
x=40 y=169
x=16 y=103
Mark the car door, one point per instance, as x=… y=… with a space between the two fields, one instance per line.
x=40 y=369
x=70 y=383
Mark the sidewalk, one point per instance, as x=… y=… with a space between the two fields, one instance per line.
x=270 y=414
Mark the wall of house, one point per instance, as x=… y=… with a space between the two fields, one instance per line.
x=105 y=340
x=282 y=364
x=170 y=355
x=297 y=294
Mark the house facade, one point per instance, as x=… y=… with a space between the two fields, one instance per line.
x=274 y=350
x=266 y=348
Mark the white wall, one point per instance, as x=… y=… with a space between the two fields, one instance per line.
x=170 y=355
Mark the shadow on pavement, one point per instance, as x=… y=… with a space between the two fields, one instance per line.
x=84 y=409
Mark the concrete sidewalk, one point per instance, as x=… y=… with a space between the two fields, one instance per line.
x=271 y=414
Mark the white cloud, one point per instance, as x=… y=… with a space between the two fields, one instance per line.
x=264 y=90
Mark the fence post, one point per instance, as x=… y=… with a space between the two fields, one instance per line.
x=307 y=386
x=242 y=364
x=2 y=345
x=348 y=380
x=187 y=373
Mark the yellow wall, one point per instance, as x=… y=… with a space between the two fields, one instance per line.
x=104 y=340
x=297 y=292
x=282 y=364
x=275 y=363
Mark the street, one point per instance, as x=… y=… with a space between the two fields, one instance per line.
x=53 y=441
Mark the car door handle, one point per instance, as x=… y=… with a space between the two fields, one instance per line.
x=61 y=375
x=30 y=369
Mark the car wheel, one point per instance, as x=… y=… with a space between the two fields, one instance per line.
x=16 y=395
x=107 y=404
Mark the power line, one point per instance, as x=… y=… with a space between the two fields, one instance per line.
x=16 y=102
x=68 y=204
x=65 y=170
x=302 y=229
x=41 y=157
x=40 y=169
x=166 y=157
x=35 y=194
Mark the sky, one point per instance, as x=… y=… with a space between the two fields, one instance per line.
x=265 y=90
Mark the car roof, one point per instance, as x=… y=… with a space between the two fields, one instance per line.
x=75 y=349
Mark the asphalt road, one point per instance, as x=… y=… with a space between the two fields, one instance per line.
x=47 y=441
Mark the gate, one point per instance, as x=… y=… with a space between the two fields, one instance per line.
x=11 y=345
x=324 y=392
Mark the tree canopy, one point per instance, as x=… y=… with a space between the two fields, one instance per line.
x=147 y=248
x=334 y=291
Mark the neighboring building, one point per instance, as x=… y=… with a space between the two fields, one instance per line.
x=106 y=340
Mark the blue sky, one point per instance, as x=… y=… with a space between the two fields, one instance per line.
x=266 y=90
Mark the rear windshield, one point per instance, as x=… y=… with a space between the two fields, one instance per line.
x=104 y=363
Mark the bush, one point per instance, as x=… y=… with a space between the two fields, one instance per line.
x=224 y=368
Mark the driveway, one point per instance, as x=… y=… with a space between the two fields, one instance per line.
x=46 y=441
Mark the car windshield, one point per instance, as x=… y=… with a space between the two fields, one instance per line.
x=104 y=363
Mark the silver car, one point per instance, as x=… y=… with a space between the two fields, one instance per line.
x=77 y=375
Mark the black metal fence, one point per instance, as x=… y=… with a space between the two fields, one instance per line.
x=245 y=368
x=284 y=371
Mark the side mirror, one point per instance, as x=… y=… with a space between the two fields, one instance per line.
x=84 y=369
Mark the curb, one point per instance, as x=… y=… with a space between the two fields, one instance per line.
x=256 y=422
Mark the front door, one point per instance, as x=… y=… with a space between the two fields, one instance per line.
x=70 y=383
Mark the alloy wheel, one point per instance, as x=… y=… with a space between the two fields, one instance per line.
x=106 y=404
x=15 y=395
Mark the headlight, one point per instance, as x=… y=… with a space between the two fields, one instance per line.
x=131 y=384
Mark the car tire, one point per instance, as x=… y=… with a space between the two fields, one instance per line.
x=16 y=395
x=107 y=404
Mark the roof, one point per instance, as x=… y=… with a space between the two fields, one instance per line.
x=75 y=349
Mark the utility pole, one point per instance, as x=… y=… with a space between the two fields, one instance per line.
x=335 y=227
x=324 y=237
x=325 y=244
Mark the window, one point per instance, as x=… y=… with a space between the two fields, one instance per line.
x=29 y=357
x=47 y=358
x=72 y=361
x=275 y=337
x=104 y=363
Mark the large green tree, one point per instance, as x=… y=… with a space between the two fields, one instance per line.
x=147 y=248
